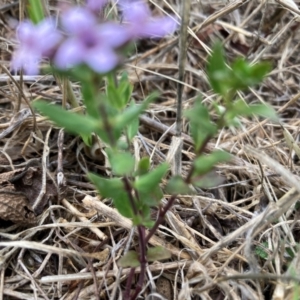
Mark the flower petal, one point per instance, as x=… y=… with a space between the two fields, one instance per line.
x=135 y=11
x=95 y=5
x=77 y=20
x=113 y=35
x=41 y=38
x=69 y=54
x=47 y=36
x=27 y=61
x=101 y=60
x=156 y=28
x=24 y=32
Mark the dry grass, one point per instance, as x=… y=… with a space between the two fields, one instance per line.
x=236 y=241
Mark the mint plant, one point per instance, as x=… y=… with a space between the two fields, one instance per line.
x=89 y=49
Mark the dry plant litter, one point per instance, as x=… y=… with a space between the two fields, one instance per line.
x=236 y=241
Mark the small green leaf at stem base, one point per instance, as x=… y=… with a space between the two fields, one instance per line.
x=131 y=258
x=158 y=253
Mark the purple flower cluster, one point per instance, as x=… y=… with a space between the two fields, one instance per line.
x=36 y=42
x=81 y=38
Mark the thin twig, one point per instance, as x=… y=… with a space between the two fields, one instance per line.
x=185 y=12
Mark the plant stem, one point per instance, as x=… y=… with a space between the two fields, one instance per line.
x=107 y=127
x=128 y=284
x=198 y=153
x=187 y=180
x=185 y=11
x=143 y=261
x=161 y=217
x=142 y=244
x=164 y=210
x=128 y=189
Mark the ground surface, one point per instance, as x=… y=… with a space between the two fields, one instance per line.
x=236 y=241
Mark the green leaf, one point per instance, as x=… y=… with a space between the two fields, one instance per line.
x=113 y=94
x=125 y=88
x=260 y=70
x=118 y=95
x=151 y=180
x=230 y=118
x=132 y=127
x=246 y=75
x=144 y=216
x=218 y=72
x=297 y=207
x=290 y=252
x=113 y=188
x=90 y=99
x=241 y=108
x=158 y=253
x=207 y=181
x=108 y=188
x=122 y=145
x=122 y=163
x=176 y=185
x=296 y=291
x=87 y=139
x=261 y=252
x=201 y=126
x=264 y=110
x=205 y=163
x=108 y=131
x=72 y=122
x=147 y=223
x=144 y=166
x=79 y=72
x=147 y=184
x=123 y=206
x=129 y=260
x=106 y=137
x=152 y=197
x=241 y=75
x=35 y=10
x=133 y=112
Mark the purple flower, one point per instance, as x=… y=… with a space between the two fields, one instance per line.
x=95 y=5
x=89 y=42
x=36 y=42
x=78 y=20
x=142 y=25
